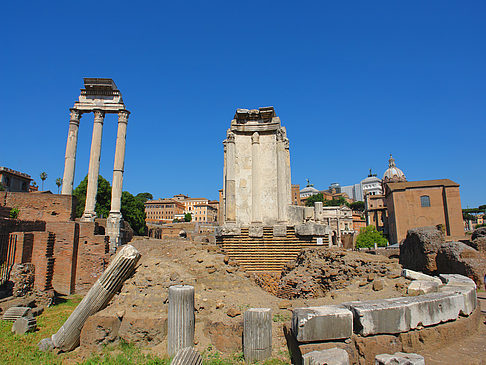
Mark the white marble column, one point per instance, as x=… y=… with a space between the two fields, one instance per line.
x=89 y=214
x=282 y=201
x=113 y=223
x=256 y=212
x=70 y=157
x=230 y=186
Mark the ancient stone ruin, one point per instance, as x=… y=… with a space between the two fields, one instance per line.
x=99 y=96
x=256 y=200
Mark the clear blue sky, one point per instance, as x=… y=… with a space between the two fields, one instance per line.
x=352 y=81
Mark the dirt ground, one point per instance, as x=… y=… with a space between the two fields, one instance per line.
x=223 y=293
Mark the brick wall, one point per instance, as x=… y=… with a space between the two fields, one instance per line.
x=36 y=206
x=15 y=225
x=65 y=253
x=93 y=256
x=43 y=260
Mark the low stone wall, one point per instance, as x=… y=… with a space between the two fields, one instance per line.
x=386 y=325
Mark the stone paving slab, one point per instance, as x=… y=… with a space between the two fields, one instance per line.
x=322 y=323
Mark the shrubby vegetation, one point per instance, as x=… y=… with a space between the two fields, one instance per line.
x=368 y=236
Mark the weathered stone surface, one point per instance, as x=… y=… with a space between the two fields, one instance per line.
x=22 y=276
x=468 y=295
x=295 y=214
x=457 y=280
x=23 y=325
x=311 y=229
x=181 y=320
x=14 y=313
x=317 y=271
x=399 y=358
x=187 y=356
x=99 y=330
x=415 y=275
x=419 y=250
x=477 y=233
x=225 y=337
x=143 y=330
x=45 y=344
x=255 y=230
x=332 y=356
x=459 y=258
x=378 y=284
x=322 y=323
x=279 y=230
x=228 y=230
x=257 y=334
x=431 y=309
x=122 y=266
x=379 y=317
x=419 y=287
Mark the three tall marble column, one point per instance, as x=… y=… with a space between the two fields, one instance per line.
x=115 y=219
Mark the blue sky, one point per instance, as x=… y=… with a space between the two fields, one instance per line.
x=352 y=81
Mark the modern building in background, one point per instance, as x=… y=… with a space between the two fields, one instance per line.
x=166 y=210
x=370 y=185
x=163 y=210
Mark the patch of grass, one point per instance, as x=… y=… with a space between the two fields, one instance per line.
x=124 y=354
x=279 y=317
x=22 y=349
x=213 y=357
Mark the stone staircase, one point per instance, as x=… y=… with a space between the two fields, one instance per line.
x=267 y=253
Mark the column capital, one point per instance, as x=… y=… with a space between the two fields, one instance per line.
x=230 y=137
x=99 y=115
x=75 y=115
x=123 y=116
x=255 y=138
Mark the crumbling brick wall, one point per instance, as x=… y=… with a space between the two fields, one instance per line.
x=44 y=207
x=93 y=256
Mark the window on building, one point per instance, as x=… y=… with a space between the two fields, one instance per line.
x=425 y=201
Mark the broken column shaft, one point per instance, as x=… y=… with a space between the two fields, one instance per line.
x=122 y=266
x=180 y=322
x=257 y=334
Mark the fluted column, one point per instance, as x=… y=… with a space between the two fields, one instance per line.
x=70 y=156
x=282 y=193
x=110 y=282
x=256 y=213
x=181 y=320
x=89 y=214
x=230 y=186
x=118 y=168
x=113 y=223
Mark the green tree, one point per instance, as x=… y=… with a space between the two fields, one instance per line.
x=314 y=198
x=43 y=177
x=2 y=188
x=358 y=206
x=187 y=217
x=368 y=236
x=103 y=197
x=58 y=183
x=144 y=197
x=133 y=211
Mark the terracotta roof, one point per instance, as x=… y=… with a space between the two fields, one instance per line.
x=420 y=184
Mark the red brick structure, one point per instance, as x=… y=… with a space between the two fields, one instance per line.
x=68 y=255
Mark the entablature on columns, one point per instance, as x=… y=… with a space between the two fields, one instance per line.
x=101 y=94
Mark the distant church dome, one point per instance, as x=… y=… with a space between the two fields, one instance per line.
x=309 y=190
x=393 y=173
